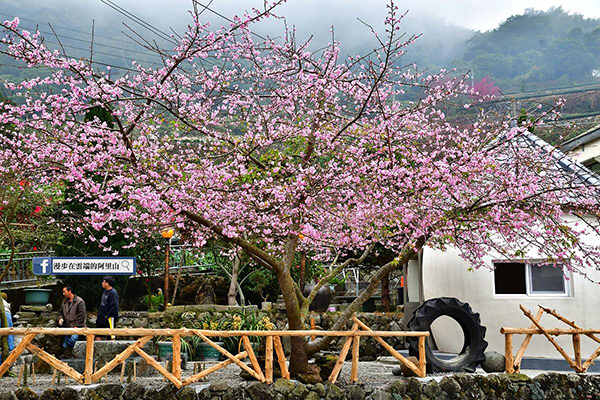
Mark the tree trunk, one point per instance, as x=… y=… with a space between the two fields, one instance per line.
x=302 y=271
x=235 y=271
x=385 y=292
x=299 y=356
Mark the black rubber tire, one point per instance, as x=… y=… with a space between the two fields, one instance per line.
x=474 y=346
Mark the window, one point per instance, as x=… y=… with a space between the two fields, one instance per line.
x=530 y=279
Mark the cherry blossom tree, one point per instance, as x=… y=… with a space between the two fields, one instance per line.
x=276 y=150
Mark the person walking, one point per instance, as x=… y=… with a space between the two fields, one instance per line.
x=72 y=314
x=9 y=323
x=109 y=305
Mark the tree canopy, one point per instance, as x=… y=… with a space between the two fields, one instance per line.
x=277 y=150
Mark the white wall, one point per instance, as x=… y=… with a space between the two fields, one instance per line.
x=589 y=150
x=446 y=274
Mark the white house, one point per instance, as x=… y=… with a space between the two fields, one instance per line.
x=497 y=292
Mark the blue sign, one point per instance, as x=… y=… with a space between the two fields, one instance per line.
x=84 y=265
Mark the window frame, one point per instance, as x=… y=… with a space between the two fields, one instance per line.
x=529 y=293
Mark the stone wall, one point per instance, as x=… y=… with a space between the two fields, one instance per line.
x=459 y=386
x=172 y=318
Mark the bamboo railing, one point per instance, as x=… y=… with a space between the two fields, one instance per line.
x=513 y=364
x=272 y=345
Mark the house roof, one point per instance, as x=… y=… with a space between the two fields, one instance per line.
x=582 y=139
x=564 y=162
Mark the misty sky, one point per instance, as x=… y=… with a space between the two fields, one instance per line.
x=308 y=16
x=473 y=14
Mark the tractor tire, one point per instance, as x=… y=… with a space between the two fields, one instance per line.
x=474 y=346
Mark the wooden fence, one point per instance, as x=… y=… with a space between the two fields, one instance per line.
x=513 y=364
x=273 y=343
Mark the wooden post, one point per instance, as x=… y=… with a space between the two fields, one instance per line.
x=281 y=357
x=122 y=371
x=159 y=368
x=414 y=368
x=56 y=363
x=33 y=373
x=120 y=358
x=508 y=354
x=177 y=356
x=312 y=328
x=134 y=370
x=166 y=291
x=200 y=373
x=53 y=377
x=422 y=361
x=269 y=359
x=12 y=357
x=252 y=357
x=342 y=358
x=550 y=339
x=89 y=359
x=231 y=356
x=577 y=350
x=20 y=377
x=521 y=352
x=355 y=350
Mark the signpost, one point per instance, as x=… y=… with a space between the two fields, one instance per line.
x=84 y=265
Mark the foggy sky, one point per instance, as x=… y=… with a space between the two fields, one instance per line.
x=307 y=16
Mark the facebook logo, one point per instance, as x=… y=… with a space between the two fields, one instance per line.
x=42 y=265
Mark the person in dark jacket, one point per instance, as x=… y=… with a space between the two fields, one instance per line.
x=109 y=305
x=72 y=314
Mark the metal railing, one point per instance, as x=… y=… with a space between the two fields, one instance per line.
x=21 y=270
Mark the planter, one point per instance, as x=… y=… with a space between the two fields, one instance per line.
x=208 y=353
x=322 y=299
x=37 y=297
x=165 y=349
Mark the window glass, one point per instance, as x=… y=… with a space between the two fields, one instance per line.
x=509 y=278
x=547 y=278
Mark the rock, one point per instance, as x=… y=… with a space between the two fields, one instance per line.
x=59 y=394
x=320 y=389
x=355 y=392
x=260 y=391
x=219 y=386
x=284 y=386
x=450 y=386
x=26 y=394
x=494 y=362
x=334 y=393
x=133 y=391
x=140 y=322
x=8 y=396
x=312 y=375
x=326 y=363
x=397 y=371
x=312 y=396
x=235 y=393
x=299 y=393
x=398 y=387
x=414 y=388
x=432 y=389
x=407 y=371
x=186 y=393
x=380 y=395
x=110 y=391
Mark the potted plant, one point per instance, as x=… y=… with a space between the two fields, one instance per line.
x=197 y=348
x=248 y=320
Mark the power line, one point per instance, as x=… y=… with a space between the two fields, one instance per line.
x=61 y=27
x=139 y=21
